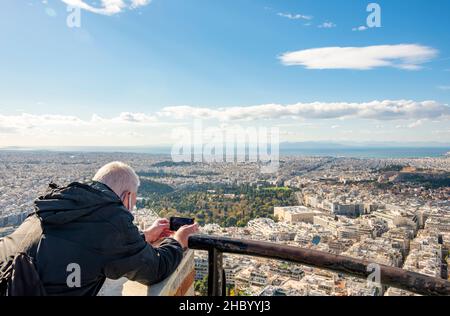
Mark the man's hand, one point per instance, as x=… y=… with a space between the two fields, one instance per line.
x=158 y=230
x=182 y=235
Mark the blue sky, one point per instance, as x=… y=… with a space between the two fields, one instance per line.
x=123 y=75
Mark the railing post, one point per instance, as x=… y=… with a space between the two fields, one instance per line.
x=215 y=273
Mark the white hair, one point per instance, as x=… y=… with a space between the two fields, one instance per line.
x=119 y=177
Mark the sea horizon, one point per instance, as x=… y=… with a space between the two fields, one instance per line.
x=286 y=149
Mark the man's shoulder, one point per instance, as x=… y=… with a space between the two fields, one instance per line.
x=23 y=239
x=116 y=215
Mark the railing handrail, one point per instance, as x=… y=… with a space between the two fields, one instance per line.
x=389 y=276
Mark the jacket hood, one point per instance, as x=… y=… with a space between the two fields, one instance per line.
x=63 y=205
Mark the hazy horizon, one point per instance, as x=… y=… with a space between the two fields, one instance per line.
x=285 y=149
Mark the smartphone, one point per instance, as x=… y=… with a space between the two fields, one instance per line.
x=177 y=222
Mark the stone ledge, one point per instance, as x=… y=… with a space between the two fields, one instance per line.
x=180 y=283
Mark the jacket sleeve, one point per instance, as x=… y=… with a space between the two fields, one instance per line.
x=139 y=261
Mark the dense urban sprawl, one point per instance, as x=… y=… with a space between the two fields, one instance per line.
x=389 y=211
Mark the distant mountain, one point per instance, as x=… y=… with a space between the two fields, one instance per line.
x=342 y=145
x=95 y=149
x=311 y=145
x=319 y=148
x=365 y=150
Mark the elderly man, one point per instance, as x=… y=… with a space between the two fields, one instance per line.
x=83 y=233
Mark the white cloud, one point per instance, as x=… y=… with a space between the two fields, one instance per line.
x=412 y=125
x=441 y=132
x=403 y=56
x=416 y=124
x=295 y=16
x=445 y=88
x=139 y=3
x=131 y=128
x=50 y=130
x=327 y=25
x=360 y=28
x=27 y=121
x=108 y=7
x=7 y=130
x=128 y=117
x=377 y=110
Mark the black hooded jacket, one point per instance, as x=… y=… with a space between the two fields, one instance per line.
x=87 y=225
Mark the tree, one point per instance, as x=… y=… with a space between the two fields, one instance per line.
x=201 y=286
x=231 y=221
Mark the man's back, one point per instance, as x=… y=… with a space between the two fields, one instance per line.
x=87 y=226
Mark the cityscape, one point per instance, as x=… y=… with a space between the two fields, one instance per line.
x=394 y=212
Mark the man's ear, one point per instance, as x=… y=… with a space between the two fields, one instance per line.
x=125 y=199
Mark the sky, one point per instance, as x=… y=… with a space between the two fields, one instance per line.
x=131 y=72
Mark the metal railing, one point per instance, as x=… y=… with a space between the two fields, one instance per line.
x=389 y=276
